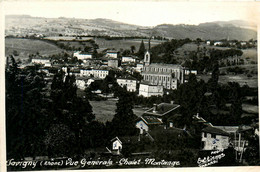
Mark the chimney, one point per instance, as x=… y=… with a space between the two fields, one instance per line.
x=154 y=108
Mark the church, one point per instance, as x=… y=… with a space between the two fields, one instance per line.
x=166 y=75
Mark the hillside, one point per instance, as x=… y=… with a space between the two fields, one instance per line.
x=26 y=25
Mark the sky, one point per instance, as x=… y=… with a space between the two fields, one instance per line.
x=144 y=13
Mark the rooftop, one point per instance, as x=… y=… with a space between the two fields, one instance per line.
x=162 y=109
x=165 y=65
x=150 y=120
x=215 y=130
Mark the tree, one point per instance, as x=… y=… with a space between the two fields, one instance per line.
x=69 y=109
x=123 y=123
x=132 y=49
x=26 y=112
x=141 y=50
x=236 y=102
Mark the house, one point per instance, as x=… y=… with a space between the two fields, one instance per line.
x=237 y=135
x=148 y=90
x=139 y=67
x=218 y=43
x=208 y=42
x=162 y=109
x=81 y=82
x=96 y=73
x=129 y=82
x=82 y=56
x=45 y=61
x=214 y=139
x=113 y=62
x=128 y=59
x=118 y=142
x=112 y=54
x=147 y=122
x=116 y=146
x=159 y=115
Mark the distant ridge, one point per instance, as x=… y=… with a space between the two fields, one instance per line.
x=235 y=29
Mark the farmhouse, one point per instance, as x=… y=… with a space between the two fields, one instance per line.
x=214 y=139
x=129 y=82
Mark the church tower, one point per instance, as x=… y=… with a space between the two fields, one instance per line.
x=147 y=56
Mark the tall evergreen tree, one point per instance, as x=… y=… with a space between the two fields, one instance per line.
x=123 y=122
x=26 y=114
x=141 y=50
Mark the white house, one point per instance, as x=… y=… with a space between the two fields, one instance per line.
x=148 y=90
x=96 y=73
x=147 y=122
x=139 y=67
x=130 y=83
x=128 y=59
x=112 y=54
x=81 y=83
x=44 y=61
x=116 y=145
x=218 y=43
x=208 y=42
x=214 y=139
x=81 y=56
x=187 y=72
x=113 y=62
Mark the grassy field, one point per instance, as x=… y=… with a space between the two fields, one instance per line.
x=250 y=53
x=124 y=44
x=66 y=38
x=105 y=110
x=247 y=53
x=29 y=46
x=241 y=79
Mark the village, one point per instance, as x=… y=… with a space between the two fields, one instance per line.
x=178 y=115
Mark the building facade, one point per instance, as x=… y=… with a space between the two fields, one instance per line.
x=166 y=75
x=214 y=139
x=81 y=56
x=96 y=73
x=130 y=83
x=148 y=90
x=112 y=62
x=112 y=54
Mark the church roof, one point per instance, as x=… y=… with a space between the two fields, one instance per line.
x=163 y=65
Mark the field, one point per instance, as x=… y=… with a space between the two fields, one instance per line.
x=250 y=53
x=247 y=53
x=105 y=110
x=241 y=79
x=124 y=44
x=24 y=47
x=66 y=38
